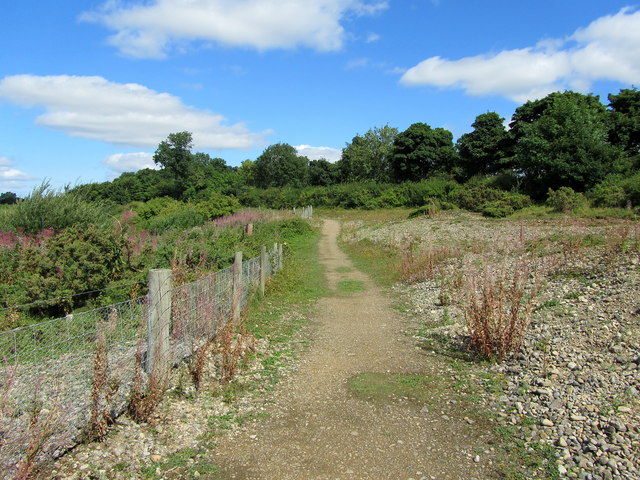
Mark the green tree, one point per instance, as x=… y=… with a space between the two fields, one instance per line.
x=279 y=166
x=484 y=150
x=174 y=154
x=8 y=198
x=421 y=151
x=562 y=140
x=625 y=118
x=323 y=173
x=367 y=156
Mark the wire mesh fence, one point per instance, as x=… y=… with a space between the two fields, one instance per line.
x=62 y=377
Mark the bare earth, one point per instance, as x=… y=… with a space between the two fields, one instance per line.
x=318 y=429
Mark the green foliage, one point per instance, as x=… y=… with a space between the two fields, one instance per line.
x=489 y=201
x=366 y=195
x=484 y=150
x=366 y=158
x=174 y=155
x=421 y=151
x=86 y=259
x=565 y=200
x=8 y=198
x=218 y=205
x=631 y=186
x=79 y=259
x=625 y=119
x=562 y=140
x=608 y=194
x=188 y=216
x=278 y=166
x=46 y=208
x=323 y=173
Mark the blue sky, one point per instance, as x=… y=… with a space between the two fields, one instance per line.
x=89 y=88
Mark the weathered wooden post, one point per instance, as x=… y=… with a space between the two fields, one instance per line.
x=158 y=320
x=280 y=257
x=263 y=268
x=237 y=286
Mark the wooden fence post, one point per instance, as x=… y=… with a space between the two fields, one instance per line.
x=280 y=257
x=158 y=320
x=263 y=268
x=237 y=286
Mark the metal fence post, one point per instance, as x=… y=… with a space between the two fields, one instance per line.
x=263 y=268
x=237 y=285
x=159 y=319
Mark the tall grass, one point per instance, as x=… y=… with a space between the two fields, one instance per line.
x=46 y=208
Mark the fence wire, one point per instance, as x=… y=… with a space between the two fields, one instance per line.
x=48 y=370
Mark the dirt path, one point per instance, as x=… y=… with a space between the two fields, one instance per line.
x=319 y=429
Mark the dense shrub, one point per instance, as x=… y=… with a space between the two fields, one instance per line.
x=79 y=259
x=188 y=216
x=631 y=186
x=363 y=195
x=489 y=201
x=217 y=205
x=47 y=208
x=608 y=194
x=565 y=200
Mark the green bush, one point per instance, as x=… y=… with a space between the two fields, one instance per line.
x=218 y=205
x=489 y=201
x=608 y=194
x=188 y=216
x=156 y=207
x=46 y=208
x=565 y=200
x=497 y=209
x=631 y=186
x=80 y=259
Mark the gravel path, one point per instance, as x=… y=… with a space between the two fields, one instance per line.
x=318 y=429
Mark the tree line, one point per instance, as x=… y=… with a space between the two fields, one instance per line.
x=565 y=139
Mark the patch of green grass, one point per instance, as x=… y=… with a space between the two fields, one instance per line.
x=383 y=388
x=187 y=463
x=519 y=461
x=297 y=286
x=378 y=261
x=554 y=302
x=346 y=287
x=344 y=269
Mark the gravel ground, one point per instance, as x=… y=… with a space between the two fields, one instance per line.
x=574 y=383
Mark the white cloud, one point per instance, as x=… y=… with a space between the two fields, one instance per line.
x=373 y=37
x=152 y=28
x=607 y=49
x=12 y=179
x=130 y=162
x=316 y=153
x=125 y=114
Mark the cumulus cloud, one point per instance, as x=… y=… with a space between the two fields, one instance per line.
x=12 y=179
x=316 y=153
x=130 y=162
x=125 y=114
x=607 y=49
x=150 y=29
